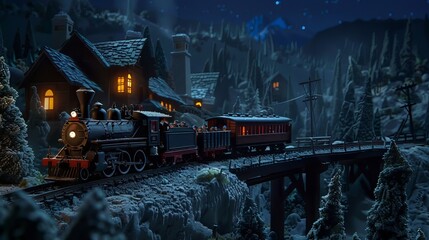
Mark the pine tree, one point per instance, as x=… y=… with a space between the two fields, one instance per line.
x=236 y=107
x=2 y=49
x=420 y=235
x=355 y=236
x=408 y=59
x=16 y=157
x=93 y=220
x=337 y=92
x=17 y=45
x=388 y=216
x=25 y=220
x=365 y=116
x=354 y=72
x=250 y=223
x=330 y=224
x=161 y=65
x=346 y=118
x=377 y=123
x=385 y=54
x=148 y=41
x=395 y=62
x=213 y=66
x=373 y=51
x=29 y=42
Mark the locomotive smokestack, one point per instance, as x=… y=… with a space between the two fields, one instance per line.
x=85 y=96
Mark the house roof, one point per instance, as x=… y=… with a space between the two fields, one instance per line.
x=67 y=67
x=92 y=48
x=161 y=88
x=203 y=85
x=121 y=53
x=274 y=76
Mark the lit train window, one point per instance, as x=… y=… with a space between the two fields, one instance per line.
x=49 y=100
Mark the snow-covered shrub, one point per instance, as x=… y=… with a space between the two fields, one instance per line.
x=208 y=174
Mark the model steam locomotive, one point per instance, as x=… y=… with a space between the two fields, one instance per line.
x=106 y=144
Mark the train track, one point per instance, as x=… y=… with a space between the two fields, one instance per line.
x=57 y=191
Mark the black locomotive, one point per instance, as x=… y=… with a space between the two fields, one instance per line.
x=105 y=144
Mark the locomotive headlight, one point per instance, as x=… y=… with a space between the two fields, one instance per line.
x=72 y=134
x=73 y=114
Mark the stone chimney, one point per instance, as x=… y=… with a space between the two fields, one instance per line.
x=181 y=65
x=62 y=28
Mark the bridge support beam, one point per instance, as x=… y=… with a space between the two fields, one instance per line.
x=312 y=196
x=278 y=207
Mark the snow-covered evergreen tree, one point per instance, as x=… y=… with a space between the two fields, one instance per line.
x=420 y=235
x=93 y=220
x=395 y=62
x=337 y=90
x=365 y=115
x=30 y=45
x=17 y=45
x=373 y=52
x=355 y=236
x=146 y=34
x=385 y=53
x=25 y=220
x=237 y=105
x=354 y=72
x=377 y=123
x=330 y=224
x=408 y=59
x=16 y=157
x=250 y=223
x=346 y=119
x=388 y=216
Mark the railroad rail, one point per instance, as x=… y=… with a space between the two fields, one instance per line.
x=52 y=191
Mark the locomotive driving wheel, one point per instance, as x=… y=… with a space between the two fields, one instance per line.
x=124 y=165
x=139 y=160
x=109 y=170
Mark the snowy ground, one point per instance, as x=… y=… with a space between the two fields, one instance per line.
x=172 y=206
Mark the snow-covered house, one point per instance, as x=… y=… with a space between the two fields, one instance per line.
x=121 y=72
x=203 y=87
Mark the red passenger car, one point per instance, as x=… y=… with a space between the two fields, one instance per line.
x=254 y=132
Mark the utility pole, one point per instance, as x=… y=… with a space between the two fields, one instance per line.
x=310 y=98
x=406 y=89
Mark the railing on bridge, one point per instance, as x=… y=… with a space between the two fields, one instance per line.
x=314 y=144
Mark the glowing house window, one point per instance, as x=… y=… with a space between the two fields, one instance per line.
x=129 y=82
x=121 y=85
x=276 y=85
x=49 y=100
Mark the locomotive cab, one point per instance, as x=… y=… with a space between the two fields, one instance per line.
x=149 y=126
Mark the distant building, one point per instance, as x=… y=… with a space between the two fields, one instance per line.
x=203 y=87
x=277 y=87
x=120 y=72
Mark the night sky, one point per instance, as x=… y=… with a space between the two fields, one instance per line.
x=305 y=15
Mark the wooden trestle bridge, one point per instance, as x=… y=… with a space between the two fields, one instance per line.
x=303 y=166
